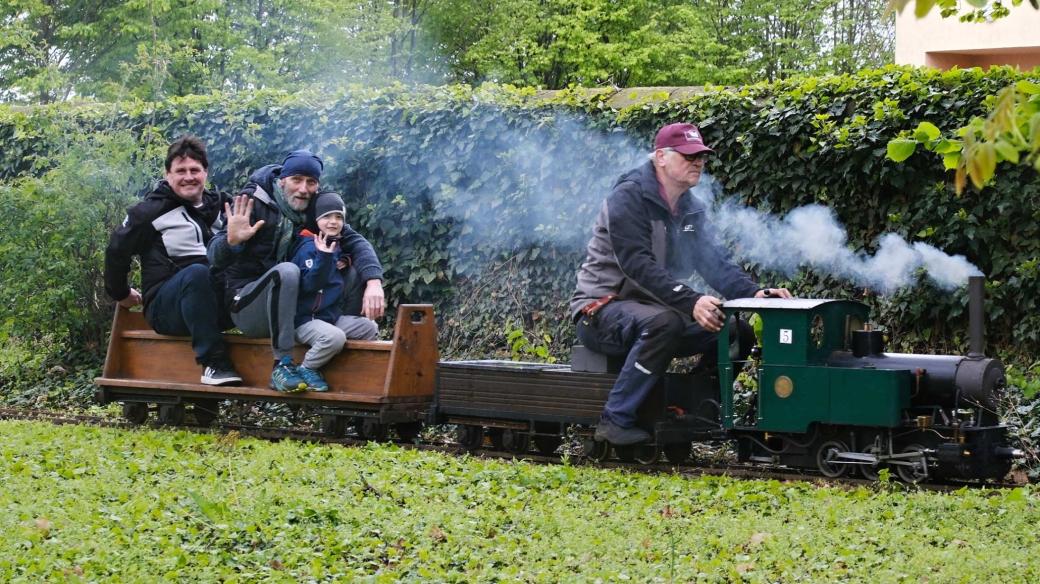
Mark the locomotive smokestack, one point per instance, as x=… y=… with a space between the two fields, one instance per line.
x=976 y=326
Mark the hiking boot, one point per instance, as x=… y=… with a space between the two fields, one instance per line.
x=220 y=374
x=607 y=431
x=286 y=378
x=313 y=379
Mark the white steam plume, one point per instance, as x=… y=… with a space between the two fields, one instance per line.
x=811 y=237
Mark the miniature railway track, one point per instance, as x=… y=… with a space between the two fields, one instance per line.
x=745 y=471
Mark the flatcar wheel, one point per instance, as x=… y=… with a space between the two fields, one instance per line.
x=206 y=411
x=916 y=469
x=825 y=456
x=333 y=426
x=595 y=450
x=677 y=452
x=171 y=414
x=509 y=440
x=135 y=412
x=408 y=431
x=547 y=445
x=871 y=472
x=470 y=437
x=370 y=429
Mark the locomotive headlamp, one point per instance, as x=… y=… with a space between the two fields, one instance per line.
x=783 y=386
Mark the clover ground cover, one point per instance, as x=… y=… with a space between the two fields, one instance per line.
x=92 y=504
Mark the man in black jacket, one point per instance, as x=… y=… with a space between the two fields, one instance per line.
x=632 y=298
x=254 y=252
x=169 y=231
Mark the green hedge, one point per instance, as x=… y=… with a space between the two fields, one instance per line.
x=480 y=199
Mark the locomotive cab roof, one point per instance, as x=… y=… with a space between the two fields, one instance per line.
x=799 y=331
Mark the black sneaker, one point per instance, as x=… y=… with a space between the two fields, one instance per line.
x=610 y=432
x=220 y=375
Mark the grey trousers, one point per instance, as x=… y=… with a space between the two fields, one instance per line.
x=326 y=340
x=266 y=307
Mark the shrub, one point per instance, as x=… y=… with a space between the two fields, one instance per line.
x=480 y=199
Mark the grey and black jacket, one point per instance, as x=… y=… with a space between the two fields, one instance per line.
x=640 y=251
x=167 y=233
x=247 y=261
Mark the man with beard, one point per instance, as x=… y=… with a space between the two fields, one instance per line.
x=254 y=252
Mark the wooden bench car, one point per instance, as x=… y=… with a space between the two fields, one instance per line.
x=375 y=383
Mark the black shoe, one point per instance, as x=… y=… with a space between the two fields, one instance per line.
x=610 y=432
x=220 y=375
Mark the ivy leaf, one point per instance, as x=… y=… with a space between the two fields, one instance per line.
x=1006 y=151
x=899 y=149
x=948 y=146
x=926 y=132
x=1026 y=86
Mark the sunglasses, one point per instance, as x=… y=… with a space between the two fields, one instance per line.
x=691 y=157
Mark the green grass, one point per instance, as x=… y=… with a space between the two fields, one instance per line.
x=81 y=503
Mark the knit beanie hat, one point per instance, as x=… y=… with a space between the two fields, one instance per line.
x=328 y=202
x=302 y=162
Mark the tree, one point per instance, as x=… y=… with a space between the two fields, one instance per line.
x=153 y=49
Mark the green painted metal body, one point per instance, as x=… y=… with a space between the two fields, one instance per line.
x=797 y=388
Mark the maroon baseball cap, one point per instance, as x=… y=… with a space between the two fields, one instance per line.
x=684 y=138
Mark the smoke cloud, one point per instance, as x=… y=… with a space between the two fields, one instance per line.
x=554 y=173
x=811 y=237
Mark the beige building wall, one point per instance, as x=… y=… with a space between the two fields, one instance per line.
x=946 y=42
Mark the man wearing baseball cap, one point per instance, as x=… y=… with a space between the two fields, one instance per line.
x=632 y=299
x=254 y=254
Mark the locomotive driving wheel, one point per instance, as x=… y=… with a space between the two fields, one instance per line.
x=871 y=472
x=913 y=469
x=825 y=459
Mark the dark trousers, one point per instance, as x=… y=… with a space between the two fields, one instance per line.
x=649 y=336
x=186 y=305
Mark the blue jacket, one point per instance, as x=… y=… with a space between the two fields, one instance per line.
x=640 y=251
x=321 y=284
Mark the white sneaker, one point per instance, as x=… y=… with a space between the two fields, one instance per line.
x=220 y=376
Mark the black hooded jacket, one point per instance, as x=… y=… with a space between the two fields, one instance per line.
x=641 y=251
x=247 y=261
x=167 y=233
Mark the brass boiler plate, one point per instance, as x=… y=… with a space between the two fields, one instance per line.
x=783 y=386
